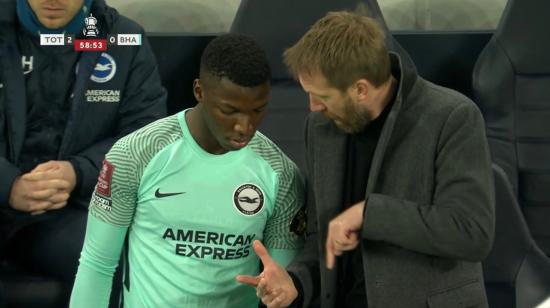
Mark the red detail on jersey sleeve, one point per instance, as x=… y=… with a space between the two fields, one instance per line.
x=104 y=181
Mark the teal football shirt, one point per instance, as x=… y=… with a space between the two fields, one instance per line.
x=190 y=218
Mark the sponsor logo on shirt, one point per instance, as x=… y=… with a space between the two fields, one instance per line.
x=248 y=199
x=159 y=194
x=102 y=202
x=105 y=68
x=201 y=244
x=102 y=96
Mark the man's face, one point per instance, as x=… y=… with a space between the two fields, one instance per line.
x=338 y=106
x=232 y=113
x=54 y=14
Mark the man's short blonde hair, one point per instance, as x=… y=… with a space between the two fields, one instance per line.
x=344 y=47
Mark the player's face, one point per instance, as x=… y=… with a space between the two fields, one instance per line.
x=232 y=113
x=336 y=105
x=54 y=14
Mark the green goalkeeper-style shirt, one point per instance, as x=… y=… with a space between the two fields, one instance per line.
x=190 y=218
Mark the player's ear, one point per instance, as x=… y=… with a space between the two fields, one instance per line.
x=197 y=90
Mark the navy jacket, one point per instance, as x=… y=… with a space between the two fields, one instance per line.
x=104 y=106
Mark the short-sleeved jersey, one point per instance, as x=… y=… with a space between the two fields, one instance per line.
x=192 y=215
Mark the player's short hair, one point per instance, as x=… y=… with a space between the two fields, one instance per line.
x=236 y=57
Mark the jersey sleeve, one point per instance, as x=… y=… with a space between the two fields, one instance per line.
x=98 y=261
x=115 y=195
x=111 y=211
x=283 y=234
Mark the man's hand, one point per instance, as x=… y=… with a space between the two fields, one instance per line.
x=46 y=187
x=343 y=232
x=274 y=285
x=65 y=171
x=38 y=192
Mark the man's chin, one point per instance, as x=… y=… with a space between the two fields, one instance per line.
x=52 y=23
x=348 y=129
x=235 y=145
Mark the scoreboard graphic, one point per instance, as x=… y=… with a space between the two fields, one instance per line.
x=91 y=42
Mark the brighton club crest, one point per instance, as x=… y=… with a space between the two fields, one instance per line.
x=248 y=199
x=90 y=30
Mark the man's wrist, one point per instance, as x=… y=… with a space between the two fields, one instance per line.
x=77 y=174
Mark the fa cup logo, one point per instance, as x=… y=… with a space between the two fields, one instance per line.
x=90 y=29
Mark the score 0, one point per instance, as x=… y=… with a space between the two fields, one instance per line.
x=111 y=40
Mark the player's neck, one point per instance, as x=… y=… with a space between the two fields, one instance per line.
x=200 y=132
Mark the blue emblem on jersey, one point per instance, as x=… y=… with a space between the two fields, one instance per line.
x=105 y=68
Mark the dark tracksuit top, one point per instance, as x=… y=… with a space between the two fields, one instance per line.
x=110 y=95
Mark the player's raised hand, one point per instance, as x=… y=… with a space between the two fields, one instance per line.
x=273 y=286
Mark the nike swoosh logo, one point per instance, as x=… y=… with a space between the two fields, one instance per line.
x=158 y=194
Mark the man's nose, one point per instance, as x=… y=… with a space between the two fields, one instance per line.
x=244 y=125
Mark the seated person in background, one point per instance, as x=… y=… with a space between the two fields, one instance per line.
x=402 y=209
x=60 y=112
x=191 y=192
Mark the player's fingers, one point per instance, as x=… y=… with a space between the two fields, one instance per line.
x=38 y=205
x=353 y=236
x=249 y=280
x=37 y=212
x=330 y=258
x=59 y=197
x=44 y=166
x=57 y=184
x=270 y=297
x=43 y=175
x=262 y=253
x=38 y=175
x=353 y=240
x=46 y=179
x=58 y=205
x=263 y=287
x=41 y=194
x=277 y=302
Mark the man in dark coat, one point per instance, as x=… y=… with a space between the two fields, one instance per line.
x=60 y=112
x=401 y=199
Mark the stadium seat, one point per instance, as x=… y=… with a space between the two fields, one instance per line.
x=517 y=272
x=276 y=25
x=511 y=84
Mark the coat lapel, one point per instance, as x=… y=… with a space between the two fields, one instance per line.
x=385 y=135
x=329 y=167
x=86 y=65
x=329 y=170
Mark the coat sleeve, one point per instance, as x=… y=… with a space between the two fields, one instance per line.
x=8 y=170
x=305 y=267
x=143 y=101
x=460 y=222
